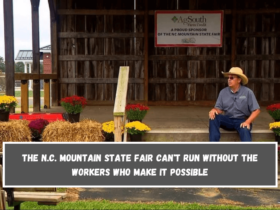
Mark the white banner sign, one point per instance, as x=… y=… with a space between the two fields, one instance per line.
x=188 y=28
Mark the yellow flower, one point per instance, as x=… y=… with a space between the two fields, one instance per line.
x=274 y=125
x=109 y=127
x=137 y=126
x=7 y=99
x=7 y=102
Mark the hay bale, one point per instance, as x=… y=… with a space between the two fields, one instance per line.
x=64 y=131
x=14 y=131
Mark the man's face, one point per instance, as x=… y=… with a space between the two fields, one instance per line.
x=233 y=80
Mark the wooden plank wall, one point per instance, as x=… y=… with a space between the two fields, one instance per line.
x=93 y=47
x=96 y=37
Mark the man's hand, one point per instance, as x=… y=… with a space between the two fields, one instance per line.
x=245 y=125
x=212 y=114
x=251 y=118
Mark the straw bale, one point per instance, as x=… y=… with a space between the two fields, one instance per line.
x=14 y=131
x=64 y=131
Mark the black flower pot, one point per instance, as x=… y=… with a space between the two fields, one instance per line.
x=136 y=137
x=74 y=118
x=109 y=137
x=4 y=116
x=277 y=139
x=36 y=139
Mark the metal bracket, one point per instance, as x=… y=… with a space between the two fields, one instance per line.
x=10 y=196
x=23 y=82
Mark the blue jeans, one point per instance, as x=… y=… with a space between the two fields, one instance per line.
x=231 y=124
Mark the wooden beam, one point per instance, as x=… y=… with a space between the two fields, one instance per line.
x=213 y=57
x=24 y=96
x=32 y=76
x=98 y=12
x=52 y=10
x=120 y=102
x=160 y=80
x=258 y=57
x=209 y=80
x=257 y=34
x=233 y=35
x=121 y=93
x=100 y=57
x=181 y=103
x=98 y=35
x=97 y=80
x=253 y=11
x=146 y=58
x=152 y=12
x=9 y=46
x=110 y=103
x=36 y=53
x=118 y=129
x=189 y=57
x=54 y=54
x=47 y=101
x=167 y=57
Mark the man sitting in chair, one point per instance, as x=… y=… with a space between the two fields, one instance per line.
x=239 y=105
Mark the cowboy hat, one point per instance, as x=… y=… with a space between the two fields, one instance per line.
x=239 y=72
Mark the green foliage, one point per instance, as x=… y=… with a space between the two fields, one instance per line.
x=2 y=64
x=136 y=114
x=72 y=109
x=30 y=93
x=276 y=131
x=134 y=131
x=41 y=68
x=19 y=67
x=275 y=114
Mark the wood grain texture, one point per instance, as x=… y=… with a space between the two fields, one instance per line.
x=36 y=53
x=47 y=95
x=108 y=35
x=24 y=94
x=55 y=94
x=9 y=46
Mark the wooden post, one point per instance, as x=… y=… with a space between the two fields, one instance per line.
x=2 y=195
x=36 y=53
x=146 y=75
x=233 y=35
x=9 y=46
x=24 y=96
x=47 y=101
x=54 y=53
x=120 y=102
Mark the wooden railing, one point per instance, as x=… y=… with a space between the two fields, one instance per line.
x=23 y=77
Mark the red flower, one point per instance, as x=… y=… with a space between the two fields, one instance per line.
x=136 y=107
x=75 y=100
x=273 y=107
x=37 y=126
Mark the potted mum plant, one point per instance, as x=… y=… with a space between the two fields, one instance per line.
x=73 y=106
x=6 y=104
x=136 y=129
x=275 y=127
x=108 y=130
x=37 y=127
x=274 y=111
x=136 y=112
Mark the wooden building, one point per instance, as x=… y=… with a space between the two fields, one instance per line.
x=90 y=40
